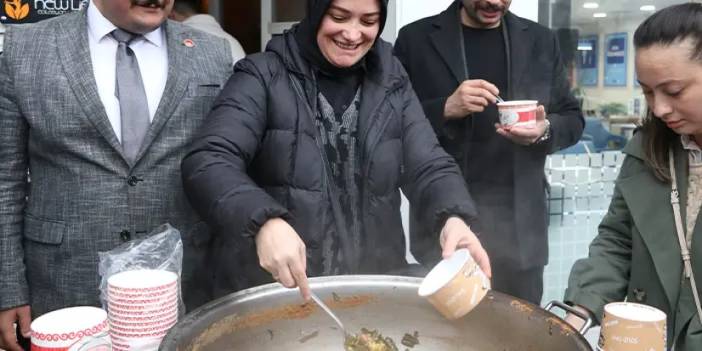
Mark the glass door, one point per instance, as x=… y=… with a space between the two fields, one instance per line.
x=279 y=15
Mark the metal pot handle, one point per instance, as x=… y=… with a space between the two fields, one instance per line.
x=569 y=309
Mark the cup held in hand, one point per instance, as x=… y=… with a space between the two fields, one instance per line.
x=456 y=285
x=630 y=326
x=517 y=113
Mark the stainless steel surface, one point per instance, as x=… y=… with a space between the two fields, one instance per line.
x=270 y=317
x=331 y=314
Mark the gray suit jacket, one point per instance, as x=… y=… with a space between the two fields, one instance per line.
x=83 y=196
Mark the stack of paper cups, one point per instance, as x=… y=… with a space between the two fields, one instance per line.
x=142 y=306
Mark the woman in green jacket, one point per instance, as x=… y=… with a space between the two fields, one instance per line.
x=638 y=253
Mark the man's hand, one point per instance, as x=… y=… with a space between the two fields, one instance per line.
x=282 y=253
x=471 y=96
x=457 y=235
x=522 y=135
x=8 y=337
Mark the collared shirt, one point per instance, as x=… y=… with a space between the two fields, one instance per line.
x=694 y=151
x=151 y=53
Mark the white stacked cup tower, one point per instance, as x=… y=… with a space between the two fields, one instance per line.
x=142 y=306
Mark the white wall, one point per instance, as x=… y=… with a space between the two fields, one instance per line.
x=409 y=11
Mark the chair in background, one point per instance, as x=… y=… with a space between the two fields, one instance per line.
x=581 y=147
x=600 y=137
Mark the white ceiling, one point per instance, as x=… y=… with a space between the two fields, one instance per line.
x=615 y=9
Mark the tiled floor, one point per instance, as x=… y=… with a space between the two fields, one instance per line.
x=581 y=188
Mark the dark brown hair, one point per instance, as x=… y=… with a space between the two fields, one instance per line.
x=669 y=26
x=657 y=139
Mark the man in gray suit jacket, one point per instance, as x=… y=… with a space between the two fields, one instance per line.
x=64 y=90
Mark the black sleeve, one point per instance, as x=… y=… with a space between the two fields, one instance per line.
x=433 y=108
x=432 y=181
x=564 y=111
x=215 y=169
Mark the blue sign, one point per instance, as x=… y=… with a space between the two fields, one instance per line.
x=587 y=61
x=615 y=60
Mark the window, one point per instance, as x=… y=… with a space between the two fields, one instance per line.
x=596 y=42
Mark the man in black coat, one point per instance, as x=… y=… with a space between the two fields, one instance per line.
x=458 y=62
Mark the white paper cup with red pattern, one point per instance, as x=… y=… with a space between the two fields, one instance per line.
x=456 y=285
x=518 y=113
x=71 y=329
x=143 y=281
x=148 y=343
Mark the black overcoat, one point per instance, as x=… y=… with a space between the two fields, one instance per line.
x=429 y=49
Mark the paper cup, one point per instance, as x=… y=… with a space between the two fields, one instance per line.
x=136 y=344
x=143 y=315
x=145 y=295
x=145 y=301
x=71 y=329
x=146 y=327
x=630 y=326
x=455 y=286
x=142 y=281
x=517 y=113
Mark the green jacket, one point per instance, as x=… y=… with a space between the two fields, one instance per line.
x=636 y=255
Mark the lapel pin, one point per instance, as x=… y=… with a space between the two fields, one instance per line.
x=189 y=43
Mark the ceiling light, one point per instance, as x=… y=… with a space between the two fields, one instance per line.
x=585 y=47
x=647 y=8
x=599 y=15
x=591 y=5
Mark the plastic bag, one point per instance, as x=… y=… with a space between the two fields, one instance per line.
x=162 y=249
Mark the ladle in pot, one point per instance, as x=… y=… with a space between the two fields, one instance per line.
x=326 y=308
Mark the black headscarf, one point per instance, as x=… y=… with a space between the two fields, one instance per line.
x=306 y=35
x=337 y=84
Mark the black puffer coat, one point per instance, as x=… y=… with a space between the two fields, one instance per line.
x=256 y=158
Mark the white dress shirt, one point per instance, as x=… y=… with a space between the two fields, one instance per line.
x=151 y=53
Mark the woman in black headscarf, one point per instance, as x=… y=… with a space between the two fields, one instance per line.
x=299 y=165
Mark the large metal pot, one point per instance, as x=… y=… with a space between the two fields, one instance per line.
x=270 y=317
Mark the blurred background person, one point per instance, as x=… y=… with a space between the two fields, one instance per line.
x=188 y=12
x=638 y=252
x=459 y=61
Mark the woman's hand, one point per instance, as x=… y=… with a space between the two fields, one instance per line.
x=282 y=253
x=457 y=235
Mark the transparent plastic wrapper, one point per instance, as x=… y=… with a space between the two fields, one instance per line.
x=161 y=250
